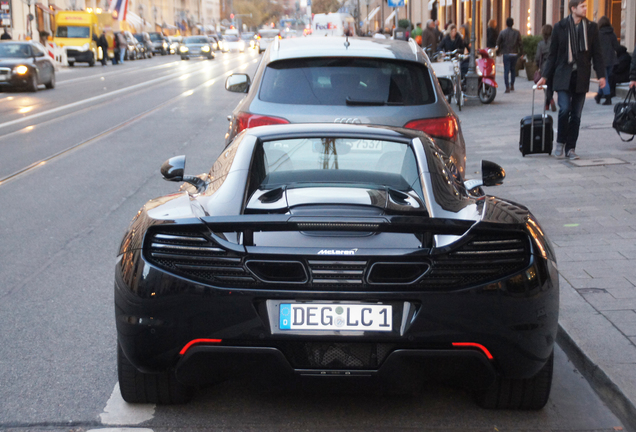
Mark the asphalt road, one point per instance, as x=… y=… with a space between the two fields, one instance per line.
x=76 y=163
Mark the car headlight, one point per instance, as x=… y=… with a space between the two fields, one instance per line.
x=164 y=45
x=205 y=48
x=21 y=70
x=183 y=49
x=86 y=46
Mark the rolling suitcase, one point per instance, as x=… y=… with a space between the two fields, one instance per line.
x=537 y=134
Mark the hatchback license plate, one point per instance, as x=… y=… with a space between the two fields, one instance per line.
x=335 y=316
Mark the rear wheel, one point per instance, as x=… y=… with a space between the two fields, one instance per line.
x=91 y=61
x=139 y=387
x=51 y=83
x=487 y=93
x=525 y=394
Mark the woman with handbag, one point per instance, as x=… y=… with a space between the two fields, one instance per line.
x=543 y=50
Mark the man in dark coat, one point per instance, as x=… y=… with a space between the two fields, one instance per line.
x=103 y=43
x=5 y=35
x=429 y=38
x=509 y=43
x=574 y=45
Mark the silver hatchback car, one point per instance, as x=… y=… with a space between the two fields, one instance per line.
x=347 y=80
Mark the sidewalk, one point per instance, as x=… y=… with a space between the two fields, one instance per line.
x=588 y=209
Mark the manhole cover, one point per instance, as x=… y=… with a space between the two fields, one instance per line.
x=597 y=162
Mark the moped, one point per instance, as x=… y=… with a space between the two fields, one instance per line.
x=485 y=68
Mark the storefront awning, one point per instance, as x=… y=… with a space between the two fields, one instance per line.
x=387 y=21
x=373 y=13
x=430 y=4
x=134 y=20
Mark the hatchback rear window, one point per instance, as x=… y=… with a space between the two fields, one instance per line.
x=338 y=81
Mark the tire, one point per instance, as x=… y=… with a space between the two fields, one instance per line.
x=32 y=85
x=51 y=83
x=521 y=394
x=210 y=57
x=139 y=387
x=71 y=63
x=183 y=58
x=488 y=94
x=91 y=62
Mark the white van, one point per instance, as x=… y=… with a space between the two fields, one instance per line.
x=332 y=24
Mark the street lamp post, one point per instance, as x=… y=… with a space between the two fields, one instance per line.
x=472 y=79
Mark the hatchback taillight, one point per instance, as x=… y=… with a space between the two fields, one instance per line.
x=247 y=120
x=441 y=127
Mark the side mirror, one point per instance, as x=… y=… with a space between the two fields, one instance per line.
x=238 y=83
x=492 y=174
x=447 y=85
x=173 y=168
x=39 y=54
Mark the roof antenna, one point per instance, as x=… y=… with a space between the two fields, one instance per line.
x=347 y=41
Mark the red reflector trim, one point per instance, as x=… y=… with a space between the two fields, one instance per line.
x=474 y=345
x=441 y=127
x=246 y=120
x=198 y=341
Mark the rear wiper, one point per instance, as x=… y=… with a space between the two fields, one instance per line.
x=370 y=102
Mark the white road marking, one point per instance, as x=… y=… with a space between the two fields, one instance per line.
x=121 y=430
x=119 y=412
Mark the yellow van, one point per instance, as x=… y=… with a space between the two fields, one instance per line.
x=75 y=31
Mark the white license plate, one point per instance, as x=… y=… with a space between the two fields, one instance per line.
x=330 y=316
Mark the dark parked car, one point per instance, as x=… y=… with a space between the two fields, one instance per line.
x=144 y=39
x=339 y=80
x=196 y=46
x=25 y=65
x=335 y=251
x=159 y=43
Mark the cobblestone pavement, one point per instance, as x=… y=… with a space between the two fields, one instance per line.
x=588 y=209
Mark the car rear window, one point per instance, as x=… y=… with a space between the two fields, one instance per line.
x=339 y=161
x=196 y=40
x=342 y=81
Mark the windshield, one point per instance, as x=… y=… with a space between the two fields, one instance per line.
x=15 y=50
x=72 y=32
x=247 y=36
x=196 y=40
x=231 y=38
x=268 y=34
x=139 y=37
x=347 y=81
x=155 y=37
x=349 y=161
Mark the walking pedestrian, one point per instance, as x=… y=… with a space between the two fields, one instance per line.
x=574 y=45
x=103 y=43
x=620 y=71
x=416 y=34
x=509 y=44
x=5 y=35
x=429 y=38
x=122 y=43
x=609 y=48
x=491 y=34
x=438 y=32
x=543 y=50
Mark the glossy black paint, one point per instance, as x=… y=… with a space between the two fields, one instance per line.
x=40 y=67
x=174 y=168
x=158 y=311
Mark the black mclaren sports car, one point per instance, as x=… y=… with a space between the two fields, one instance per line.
x=342 y=252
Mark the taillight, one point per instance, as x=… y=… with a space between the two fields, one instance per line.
x=441 y=127
x=247 y=120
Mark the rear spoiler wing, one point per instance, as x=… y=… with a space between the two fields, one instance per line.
x=422 y=225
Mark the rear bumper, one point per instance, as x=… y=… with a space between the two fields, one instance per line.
x=210 y=364
x=519 y=330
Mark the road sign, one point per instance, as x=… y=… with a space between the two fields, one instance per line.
x=396 y=3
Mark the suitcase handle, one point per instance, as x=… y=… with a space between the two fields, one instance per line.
x=534 y=89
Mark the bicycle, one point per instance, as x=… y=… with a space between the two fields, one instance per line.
x=450 y=68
